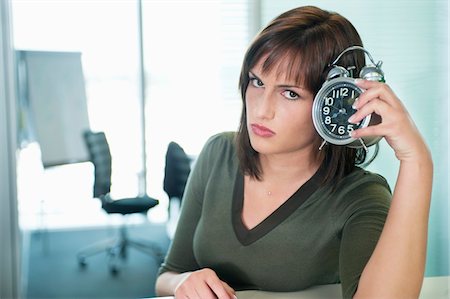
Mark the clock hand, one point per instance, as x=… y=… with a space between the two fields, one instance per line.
x=335 y=114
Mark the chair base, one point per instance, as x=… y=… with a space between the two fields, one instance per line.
x=117 y=248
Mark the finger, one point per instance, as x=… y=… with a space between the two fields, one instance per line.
x=367 y=84
x=189 y=291
x=375 y=106
x=375 y=90
x=220 y=288
x=230 y=290
x=376 y=130
x=193 y=287
x=204 y=291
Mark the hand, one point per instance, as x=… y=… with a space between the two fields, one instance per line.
x=396 y=126
x=203 y=284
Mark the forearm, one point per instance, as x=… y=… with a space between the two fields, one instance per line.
x=396 y=267
x=167 y=282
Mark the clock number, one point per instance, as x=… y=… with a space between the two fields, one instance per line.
x=341 y=130
x=328 y=120
x=329 y=101
x=326 y=110
x=344 y=92
x=339 y=93
x=349 y=128
x=335 y=93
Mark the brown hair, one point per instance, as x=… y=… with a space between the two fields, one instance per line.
x=310 y=39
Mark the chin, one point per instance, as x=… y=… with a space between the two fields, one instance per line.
x=261 y=145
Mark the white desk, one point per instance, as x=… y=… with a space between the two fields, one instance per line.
x=433 y=288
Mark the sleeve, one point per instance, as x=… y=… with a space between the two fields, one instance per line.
x=360 y=233
x=180 y=257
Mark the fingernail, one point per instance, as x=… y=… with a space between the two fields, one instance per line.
x=351 y=119
x=355 y=103
x=359 y=81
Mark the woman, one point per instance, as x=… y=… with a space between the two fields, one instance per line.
x=265 y=209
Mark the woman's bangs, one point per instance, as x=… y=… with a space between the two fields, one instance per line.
x=287 y=64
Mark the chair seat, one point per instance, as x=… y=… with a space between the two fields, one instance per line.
x=139 y=204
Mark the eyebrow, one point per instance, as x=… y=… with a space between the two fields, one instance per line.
x=280 y=85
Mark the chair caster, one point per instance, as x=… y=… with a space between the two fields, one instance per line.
x=114 y=270
x=82 y=262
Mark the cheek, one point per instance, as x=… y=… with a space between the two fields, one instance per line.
x=250 y=95
x=303 y=123
x=301 y=116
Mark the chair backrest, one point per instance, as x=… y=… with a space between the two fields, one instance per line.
x=176 y=172
x=100 y=156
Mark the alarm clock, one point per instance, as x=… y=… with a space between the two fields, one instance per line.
x=333 y=103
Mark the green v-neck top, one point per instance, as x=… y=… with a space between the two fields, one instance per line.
x=317 y=236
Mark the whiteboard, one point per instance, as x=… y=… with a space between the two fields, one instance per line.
x=54 y=90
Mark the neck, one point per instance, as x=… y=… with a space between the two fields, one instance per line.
x=289 y=166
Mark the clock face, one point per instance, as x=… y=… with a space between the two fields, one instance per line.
x=332 y=108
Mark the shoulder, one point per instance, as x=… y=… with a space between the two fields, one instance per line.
x=362 y=190
x=218 y=151
x=221 y=144
x=362 y=179
x=221 y=139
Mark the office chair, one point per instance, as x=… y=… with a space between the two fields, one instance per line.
x=100 y=156
x=176 y=172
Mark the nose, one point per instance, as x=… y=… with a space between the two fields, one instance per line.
x=266 y=105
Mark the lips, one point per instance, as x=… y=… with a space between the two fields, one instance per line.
x=261 y=131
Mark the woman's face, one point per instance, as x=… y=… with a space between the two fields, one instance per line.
x=279 y=116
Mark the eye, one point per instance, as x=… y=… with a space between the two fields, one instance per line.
x=290 y=95
x=256 y=82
